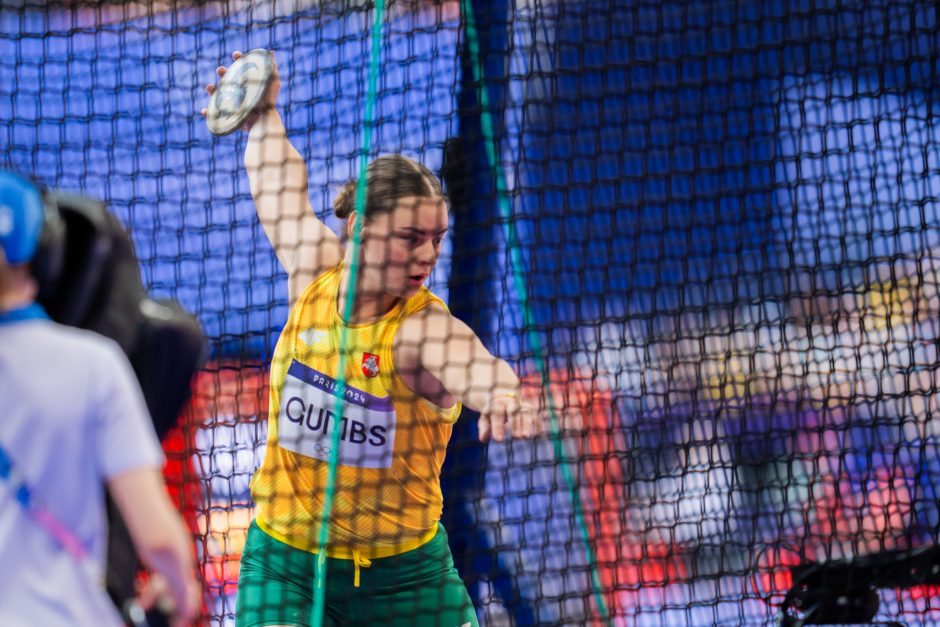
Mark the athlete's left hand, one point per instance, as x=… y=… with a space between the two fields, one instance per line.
x=505 y=415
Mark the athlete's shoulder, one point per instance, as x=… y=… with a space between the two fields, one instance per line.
x=423 y=300
x=323 y=281
x=330 y=274
x=431 y=321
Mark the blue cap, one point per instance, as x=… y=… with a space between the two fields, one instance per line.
x=21 y=217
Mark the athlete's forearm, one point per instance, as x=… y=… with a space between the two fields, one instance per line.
x=496 y=393
x=488 y=378
x=447 y=349
x=277 y=174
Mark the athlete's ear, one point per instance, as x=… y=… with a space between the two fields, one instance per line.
x=351 y=224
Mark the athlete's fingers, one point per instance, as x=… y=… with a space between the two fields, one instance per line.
x=236 y=55
x=525 y=422
x=483 y=427
x=210 y=89
x=221 y=70
x=516 y=427
x=498 y=421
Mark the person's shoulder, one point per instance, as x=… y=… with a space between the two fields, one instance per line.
x=423 y=301
x=314 y=290
x=431 y=309
x=82 y=343
x=427 y=322
x=329 y=274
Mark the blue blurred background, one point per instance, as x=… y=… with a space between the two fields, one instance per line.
x=728 y=217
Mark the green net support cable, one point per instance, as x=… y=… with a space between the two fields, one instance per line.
x=516 y=262
x=368 y=122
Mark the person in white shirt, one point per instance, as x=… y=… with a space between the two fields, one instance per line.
x=72 y=421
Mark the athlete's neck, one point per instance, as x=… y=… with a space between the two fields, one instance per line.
x=368 y=305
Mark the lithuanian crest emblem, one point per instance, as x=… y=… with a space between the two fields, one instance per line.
x=370 y=364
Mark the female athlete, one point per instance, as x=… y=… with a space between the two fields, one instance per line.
x=409 y=366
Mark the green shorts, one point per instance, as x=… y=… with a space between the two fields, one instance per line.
x=415 y=589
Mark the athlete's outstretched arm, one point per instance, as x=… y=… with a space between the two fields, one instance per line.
x=450 y=351
x=277 y=176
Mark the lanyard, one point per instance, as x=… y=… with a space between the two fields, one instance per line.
x=9 y=474
x=24 y=496
x=33 y=311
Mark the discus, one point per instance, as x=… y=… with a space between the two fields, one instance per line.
x=239 y=92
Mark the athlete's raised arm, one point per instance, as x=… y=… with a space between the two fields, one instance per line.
x=277 y=176
x=444 y=347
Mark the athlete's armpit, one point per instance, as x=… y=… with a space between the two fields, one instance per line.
x=450 y=351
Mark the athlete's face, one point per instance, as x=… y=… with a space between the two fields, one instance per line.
x=401 y=247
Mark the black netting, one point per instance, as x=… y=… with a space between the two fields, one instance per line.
x=706 y=230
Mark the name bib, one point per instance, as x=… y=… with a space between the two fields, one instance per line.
x=308 y=419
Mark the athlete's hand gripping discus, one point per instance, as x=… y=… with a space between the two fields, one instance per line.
x=239 y=92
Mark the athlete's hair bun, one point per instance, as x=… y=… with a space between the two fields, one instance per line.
x=345 y=201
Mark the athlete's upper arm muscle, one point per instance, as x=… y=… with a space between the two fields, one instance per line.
x=277 y=175
x=450 y=351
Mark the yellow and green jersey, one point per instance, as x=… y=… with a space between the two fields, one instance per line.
x=391 y=443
